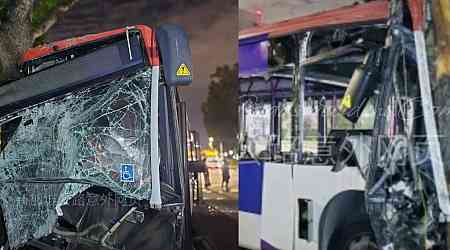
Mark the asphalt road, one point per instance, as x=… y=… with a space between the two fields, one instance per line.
x=216 y=218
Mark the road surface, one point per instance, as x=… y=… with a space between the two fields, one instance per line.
x=217 y=216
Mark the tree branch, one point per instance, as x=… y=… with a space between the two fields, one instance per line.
x=53 y=18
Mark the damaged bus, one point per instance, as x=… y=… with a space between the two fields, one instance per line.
x=93 y=144
x=338 y=138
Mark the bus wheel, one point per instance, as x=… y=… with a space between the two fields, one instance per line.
x=354 y=237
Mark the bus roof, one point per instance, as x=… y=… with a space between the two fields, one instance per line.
x=372 y=12
x=147 y=33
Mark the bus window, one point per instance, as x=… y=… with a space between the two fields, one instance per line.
x=311 y=129
x=286 y=127
x=257 y=127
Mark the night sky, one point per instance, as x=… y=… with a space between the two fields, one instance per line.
x=211 y=24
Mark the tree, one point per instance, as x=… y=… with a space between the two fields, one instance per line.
x=220 y=111
x=438 y=43
x=22 y=22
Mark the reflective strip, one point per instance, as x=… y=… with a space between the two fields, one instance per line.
x=430 y=124
x=155 y=200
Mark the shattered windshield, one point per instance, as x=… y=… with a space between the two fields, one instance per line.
x=57 y=149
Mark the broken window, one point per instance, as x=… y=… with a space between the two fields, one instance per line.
x=59 y=148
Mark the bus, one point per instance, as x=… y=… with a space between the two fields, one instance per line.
x=93 y=143
x=338 y=139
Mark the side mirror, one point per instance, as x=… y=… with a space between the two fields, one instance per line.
x=175 y=53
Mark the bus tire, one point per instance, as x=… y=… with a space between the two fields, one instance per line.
x=355 y=236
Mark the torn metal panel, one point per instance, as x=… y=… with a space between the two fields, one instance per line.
x=403 y=199
x=98 y=136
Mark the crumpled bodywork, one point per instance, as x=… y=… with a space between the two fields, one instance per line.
x=65 y=145
x=402 y=190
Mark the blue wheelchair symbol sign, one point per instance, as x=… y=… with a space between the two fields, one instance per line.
x=127 y=173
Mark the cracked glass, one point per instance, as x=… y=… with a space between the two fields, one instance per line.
x=57 y=149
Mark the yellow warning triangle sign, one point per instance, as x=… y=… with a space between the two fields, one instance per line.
x=183 y=70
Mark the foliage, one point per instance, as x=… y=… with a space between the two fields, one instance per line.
x=25 y=23
x=220 y=111
x=43 y=9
